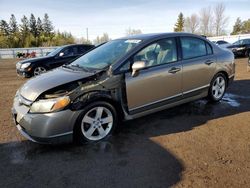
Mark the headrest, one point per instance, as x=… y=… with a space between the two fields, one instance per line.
x=165 y=45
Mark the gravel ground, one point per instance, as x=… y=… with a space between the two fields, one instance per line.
x=194 y=145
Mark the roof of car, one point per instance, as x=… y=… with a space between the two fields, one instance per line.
x=77 y=45
x=156 y=35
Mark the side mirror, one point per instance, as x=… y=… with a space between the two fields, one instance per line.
x=61 y=54
x=138 y=65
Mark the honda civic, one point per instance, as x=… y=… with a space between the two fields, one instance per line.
x=121 y=80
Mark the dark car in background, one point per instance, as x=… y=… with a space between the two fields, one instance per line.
x=240 y=48
x=58 y=57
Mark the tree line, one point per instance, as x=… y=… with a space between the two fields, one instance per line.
x=31 y=32
x=211 y=21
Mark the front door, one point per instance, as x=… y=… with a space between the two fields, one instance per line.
x=159 y=82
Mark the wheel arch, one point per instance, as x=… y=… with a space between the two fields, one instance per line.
x=225 y=74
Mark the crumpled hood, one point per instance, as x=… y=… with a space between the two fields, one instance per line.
x=39 y=84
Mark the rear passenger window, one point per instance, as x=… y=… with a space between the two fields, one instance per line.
x=193 y=47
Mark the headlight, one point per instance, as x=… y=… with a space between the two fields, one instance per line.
x=25 y=65
x=49 y=105
x=241 y=48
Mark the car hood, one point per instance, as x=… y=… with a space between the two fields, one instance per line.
x=35 y=59
x=39 y=84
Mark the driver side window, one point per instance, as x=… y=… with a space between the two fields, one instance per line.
x=161 y=52
x=67 y=52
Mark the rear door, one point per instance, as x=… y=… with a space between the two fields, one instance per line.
x=159 y=82
x=199 y=64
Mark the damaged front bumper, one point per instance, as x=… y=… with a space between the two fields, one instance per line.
x=55 y=127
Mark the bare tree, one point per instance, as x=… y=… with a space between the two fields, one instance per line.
x=102 y=39
x=220 y=20
x=130 y=31
x=206 y=20
x=192 y=23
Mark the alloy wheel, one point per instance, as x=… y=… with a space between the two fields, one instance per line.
x=97 y=123
x=218 y=88
x=39 y=70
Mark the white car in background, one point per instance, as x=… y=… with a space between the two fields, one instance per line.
x=222 y=43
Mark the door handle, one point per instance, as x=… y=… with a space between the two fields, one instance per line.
x=174 y=70
x=209 y=62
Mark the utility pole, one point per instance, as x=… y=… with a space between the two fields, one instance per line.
x=87 y=33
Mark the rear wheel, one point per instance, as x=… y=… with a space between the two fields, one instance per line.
x=217 y=88
x=97 y=122
x=39 y=70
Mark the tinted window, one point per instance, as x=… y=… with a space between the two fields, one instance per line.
x=193 y=47
x=83 y=49
x=246 y=41
x=75 y=50
x=67 y=52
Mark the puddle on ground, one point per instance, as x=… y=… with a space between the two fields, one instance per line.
x=231 y=99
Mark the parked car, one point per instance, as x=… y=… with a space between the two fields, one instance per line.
x=58 y=57
x=240 y=48
x=121 y=80
x=222 y=43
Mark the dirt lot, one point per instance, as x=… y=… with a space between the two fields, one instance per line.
x=194 y=145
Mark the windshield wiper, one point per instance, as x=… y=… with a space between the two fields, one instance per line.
x=80 y=67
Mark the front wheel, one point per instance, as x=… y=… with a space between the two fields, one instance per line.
x=39 y=70
x=97 y=122
x=217 y=88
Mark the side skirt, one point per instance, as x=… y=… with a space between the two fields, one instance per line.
x=167 y=103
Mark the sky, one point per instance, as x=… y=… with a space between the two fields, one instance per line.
x=116 y=16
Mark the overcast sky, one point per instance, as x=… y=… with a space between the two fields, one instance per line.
x=115 y=16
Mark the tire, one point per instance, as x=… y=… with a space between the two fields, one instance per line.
x=90 y=126
x=247 y=54
x=217 y=87
x=39 y=70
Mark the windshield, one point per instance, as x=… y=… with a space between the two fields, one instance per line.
x=54 y=52
x=106 y=54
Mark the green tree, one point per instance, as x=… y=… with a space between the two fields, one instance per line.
x=25 y=32
x=14 y=36
x=47 y=26
x=39 y=29
x=33 y=30
x=33 y=25
x=246 y=27
x=4 y=28
x=237 y=28
x=13 y=24
x=179 y=26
